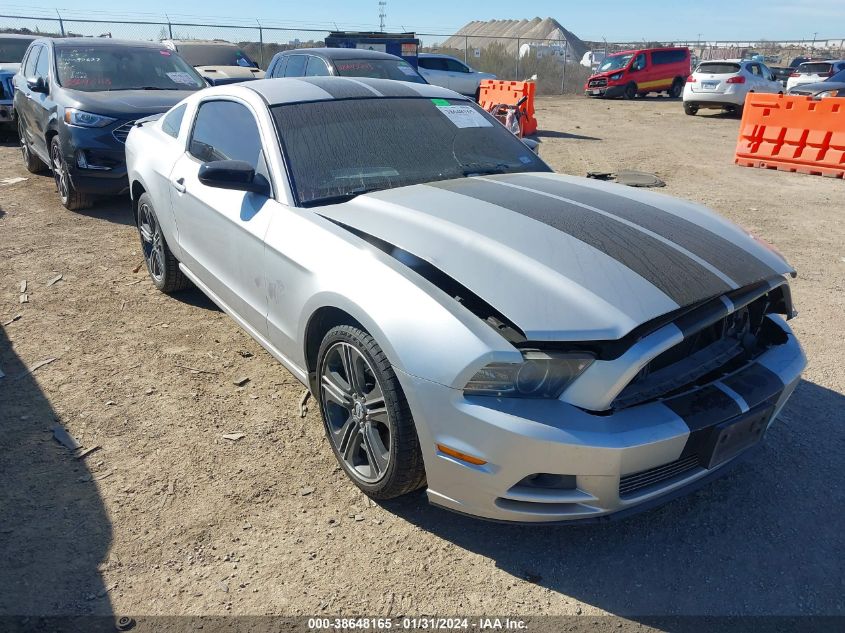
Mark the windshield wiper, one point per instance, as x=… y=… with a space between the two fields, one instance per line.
x=484 y=170
x=340 y=198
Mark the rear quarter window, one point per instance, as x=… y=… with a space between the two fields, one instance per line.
x=668 y=57
x=172 y=122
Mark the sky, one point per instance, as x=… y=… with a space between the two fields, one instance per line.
x=589 y=19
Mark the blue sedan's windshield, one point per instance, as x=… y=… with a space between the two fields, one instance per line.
x=341 y=148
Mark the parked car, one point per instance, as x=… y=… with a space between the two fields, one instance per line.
x=76 y=100
x=814 y=72
x=450 y=72
x=724 y=84
x=532 y=346
x=831 y=87
x=341 y=62
x=797 y=61
x=219 y=61
x=639 y=72
x=12 y=49
x=781 y=73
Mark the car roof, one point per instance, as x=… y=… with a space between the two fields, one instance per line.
x=20 y=36
x=641 y=50
x=733 y=60
x=437 y=55
x=300 y=89
x=340 y=53
x=201 y=42
x=101 y=41
x=823 y=61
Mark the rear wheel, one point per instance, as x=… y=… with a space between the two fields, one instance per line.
x=690 y=109
x=33 y=164
x=70 y=197
x=366 y=417
x=738 y=110
x=676 y=89
x=631 y=90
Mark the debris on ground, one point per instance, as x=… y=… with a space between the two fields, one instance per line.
x=64 y=438
x=629 y=177
x=13 y=319
x=23 y=286
x=245 y=354
x=304 y=492
x=84 y=453
x=24 y=298
x=240 y=382
x=233 y=436
x=303 y=403
x=55 y=279
x=138 y=267
x=12 y=181
x=37 y=365
x=197 y=371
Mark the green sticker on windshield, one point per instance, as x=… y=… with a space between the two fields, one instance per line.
x=440 y=102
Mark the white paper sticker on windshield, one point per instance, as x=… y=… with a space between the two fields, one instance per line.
x=464 y=116
x=182 y=78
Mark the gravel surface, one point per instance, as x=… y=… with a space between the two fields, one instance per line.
x=169 y=516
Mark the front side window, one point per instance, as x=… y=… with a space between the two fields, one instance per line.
x=341 y=148
x=31 y=60
x=225 y=130
x=42 y=67
x=105 y=68
x=639 y=62
x=172 y=122
x=296 y=66
x=432 y=63
x=12 y=49
x=453 y=65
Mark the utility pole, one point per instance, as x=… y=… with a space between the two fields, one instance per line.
x=382 y=13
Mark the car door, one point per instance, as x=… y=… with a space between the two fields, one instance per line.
x=772 y=84
x=41 y=104
x=24 y=107
x=639 y=72
x=221 y=231
x=461 y=78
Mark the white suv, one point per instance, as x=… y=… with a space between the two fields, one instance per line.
x=452 y=73
x=814 y=72
x=724 y=84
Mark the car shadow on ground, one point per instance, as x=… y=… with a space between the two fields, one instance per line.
x=116 y=209
x=566 y=135
x=760 y=541
x=54 y=529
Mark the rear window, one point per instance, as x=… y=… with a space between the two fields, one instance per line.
x=814 y=68
x=397 y=69
x=720 y=68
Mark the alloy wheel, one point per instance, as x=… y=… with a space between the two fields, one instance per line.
x=151 y=241
x=24 y=145
x=60 y=173
x=355 y=412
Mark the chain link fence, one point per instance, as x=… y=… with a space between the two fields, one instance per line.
x=553 y=64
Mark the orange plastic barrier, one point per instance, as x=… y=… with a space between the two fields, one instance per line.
x=494 y=92
x=793 y=133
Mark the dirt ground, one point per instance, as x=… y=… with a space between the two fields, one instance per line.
x=169 y=517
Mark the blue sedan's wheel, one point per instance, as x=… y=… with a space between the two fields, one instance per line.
x=161 y=264
x=366 y=416
x=71 y=198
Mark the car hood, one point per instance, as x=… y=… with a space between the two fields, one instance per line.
x=127 y=103
x=230 y=72
x=822 y=86
x=563 y=258
x=10 y=68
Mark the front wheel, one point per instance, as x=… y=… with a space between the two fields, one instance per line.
x=70 y=197
x=631 y=90
x=366 y=417
x=162 y=266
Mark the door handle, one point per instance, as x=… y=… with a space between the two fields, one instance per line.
x=179 y=185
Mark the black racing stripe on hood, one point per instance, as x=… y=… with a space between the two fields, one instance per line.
x=340 y=88
x=678 y=276
x=734 y=261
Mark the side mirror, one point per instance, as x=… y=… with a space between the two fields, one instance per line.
x=533 y=145
x=233 y=174
x=37 y=84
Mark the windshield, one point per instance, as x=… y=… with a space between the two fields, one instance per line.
x=97 y=68
x=12 y=49
x=342 y=148
x=214 y=55
x=718 y=68
x=379 y=69
x=839 y=77
x=615 y=62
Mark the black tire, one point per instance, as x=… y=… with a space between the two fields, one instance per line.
x=162 y=266
x=631 y=91
x=690 y=109
x=68 y=194
x=737 y=111
x=676 y=89
x=404 y=471
x=33 y=164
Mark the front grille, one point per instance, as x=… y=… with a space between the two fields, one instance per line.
x=598 y=83
x=120 y=133
x=632 y=484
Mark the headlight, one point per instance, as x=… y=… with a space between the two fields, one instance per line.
x=86 y=119
x=827 y=93
x=539 y=375
x=616 y=76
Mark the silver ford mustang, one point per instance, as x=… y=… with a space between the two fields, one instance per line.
x=530 y=346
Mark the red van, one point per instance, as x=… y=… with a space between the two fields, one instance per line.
x=638 y=72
